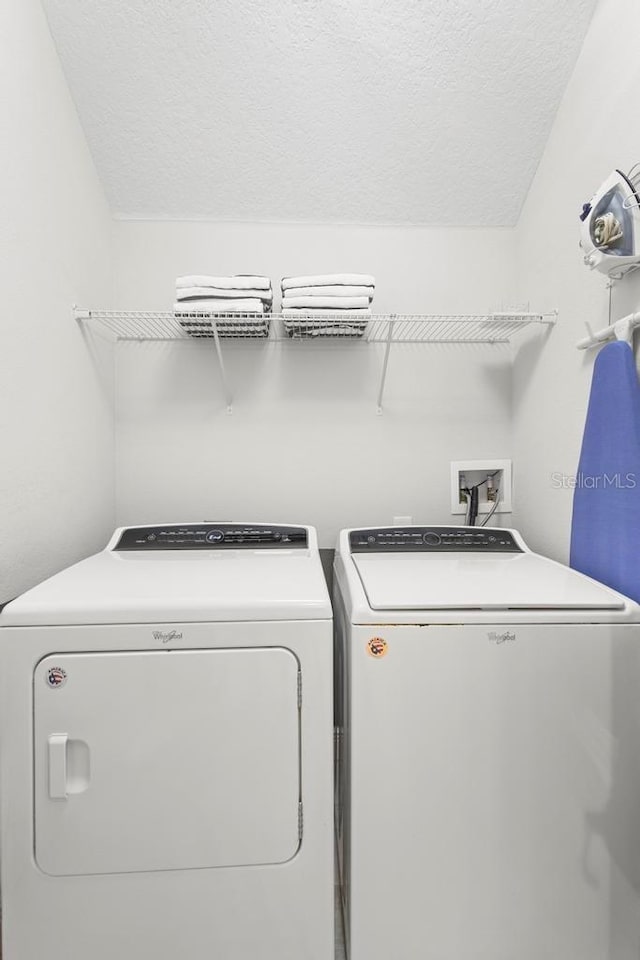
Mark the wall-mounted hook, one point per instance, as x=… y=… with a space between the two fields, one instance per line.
x=623 y=329
x=620 y=330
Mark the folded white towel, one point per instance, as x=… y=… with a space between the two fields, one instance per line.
x=251 y=305
x=338 y=291
x=240 y=282
x=330 y=303
x=330 y=280
x=189 y=293
x=311 y=312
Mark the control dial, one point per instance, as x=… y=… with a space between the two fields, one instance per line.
x=431 y=539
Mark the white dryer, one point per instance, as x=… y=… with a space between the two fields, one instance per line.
x=489 y=785
x=166 y=761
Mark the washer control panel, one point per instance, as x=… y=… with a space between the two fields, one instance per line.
x=432 y=539
x=212 y=536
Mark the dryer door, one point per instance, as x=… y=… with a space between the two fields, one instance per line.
x=166 y=760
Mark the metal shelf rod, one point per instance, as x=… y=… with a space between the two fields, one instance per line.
x=387 y=351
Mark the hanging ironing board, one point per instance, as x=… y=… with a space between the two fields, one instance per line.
x=605 y=532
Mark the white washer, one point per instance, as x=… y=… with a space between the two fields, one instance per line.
x=489 y=780
x=167 y=740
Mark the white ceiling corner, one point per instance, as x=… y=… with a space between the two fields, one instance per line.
x=363 y=111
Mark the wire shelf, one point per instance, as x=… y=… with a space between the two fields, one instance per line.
x=379 y=328
x=384 y=329
x=460 y=328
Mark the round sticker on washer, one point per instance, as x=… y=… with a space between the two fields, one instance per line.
x=56 y=677
x=377 y=648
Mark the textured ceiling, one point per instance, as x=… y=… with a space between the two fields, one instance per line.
x=419 y=111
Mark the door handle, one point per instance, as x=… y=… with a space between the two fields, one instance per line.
x=58 y=766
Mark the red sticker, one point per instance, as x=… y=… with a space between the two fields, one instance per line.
x=377 y=648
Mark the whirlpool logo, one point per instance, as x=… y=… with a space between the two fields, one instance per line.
x=166 y=637
x=500 y=638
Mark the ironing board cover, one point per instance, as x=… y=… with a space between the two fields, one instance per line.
x=605 y=530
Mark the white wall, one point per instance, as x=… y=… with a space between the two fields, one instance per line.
x=56 y=424
x=596 y=130
x=304 y=442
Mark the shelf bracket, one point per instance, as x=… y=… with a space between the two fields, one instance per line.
x=385 y=362
x=223 y=375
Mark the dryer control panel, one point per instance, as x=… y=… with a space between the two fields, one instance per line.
x=432 y=540
x=212 y=536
